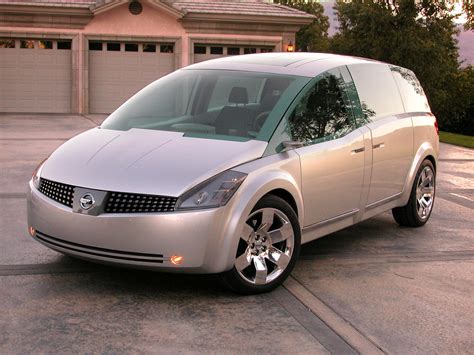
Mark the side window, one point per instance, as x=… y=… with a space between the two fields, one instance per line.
x=378 y=93
x=412 y=93
x=324 y=112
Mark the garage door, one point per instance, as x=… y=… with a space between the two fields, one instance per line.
x=35 y=75
x=119 y=70
x=204 y=52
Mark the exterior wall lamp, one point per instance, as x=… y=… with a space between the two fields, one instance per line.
x=290 y=47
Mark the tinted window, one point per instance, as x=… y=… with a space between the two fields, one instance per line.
x=64 y=44
x=7 y=43
x=324 y=112
x=217 y=50
x=166 y=48
x=45 y=44
x=113 y=46
x=131 y=47
x=377 y=90
x=233 y=51
x=413 y=95
x=29 y=44
x=95 y=46
x=149 y=48
x=199 y=49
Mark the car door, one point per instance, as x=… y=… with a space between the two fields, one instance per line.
x=333 y=155
x=391 y=129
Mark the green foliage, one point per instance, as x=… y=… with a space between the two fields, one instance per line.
x=457 y=139
x=418 y=35
x=313 y=37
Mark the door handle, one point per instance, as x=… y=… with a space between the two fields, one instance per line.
x=379 y=145
x=358 y=150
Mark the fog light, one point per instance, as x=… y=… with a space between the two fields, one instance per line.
x=31 y=230
x=177 y=259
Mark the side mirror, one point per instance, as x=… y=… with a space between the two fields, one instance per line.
x=290 y=145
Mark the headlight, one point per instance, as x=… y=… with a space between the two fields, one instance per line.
x=214 y=192
x=37 y=174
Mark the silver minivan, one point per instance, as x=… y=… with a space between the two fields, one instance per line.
x=229 y=165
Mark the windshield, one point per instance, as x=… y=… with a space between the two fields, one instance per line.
x=211 y=103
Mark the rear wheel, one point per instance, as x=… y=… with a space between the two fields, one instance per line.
x=268 y=248
x=418 y=209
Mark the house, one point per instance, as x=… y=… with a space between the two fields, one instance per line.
x=86 y=56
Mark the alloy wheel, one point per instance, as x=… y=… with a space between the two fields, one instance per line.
x=425 y=192
x=265 y=247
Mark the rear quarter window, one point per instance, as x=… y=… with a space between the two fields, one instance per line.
x=377 y=90
x=412 y=93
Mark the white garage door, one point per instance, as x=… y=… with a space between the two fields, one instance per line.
x=204 y=52
x=119 y=70
x=35 y=75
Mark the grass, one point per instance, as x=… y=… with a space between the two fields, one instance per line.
x=457 y=139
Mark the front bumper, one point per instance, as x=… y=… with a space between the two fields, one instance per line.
x=201 y=237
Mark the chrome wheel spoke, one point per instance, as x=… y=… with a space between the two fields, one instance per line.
x=281 y=234
x=243 y=261
x=278 y=257
x=247 y=232
x=261 y=270
x=267 y=220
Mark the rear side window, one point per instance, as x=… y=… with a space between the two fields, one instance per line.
x=378 y=93
x=324 y=112
x=412 y=93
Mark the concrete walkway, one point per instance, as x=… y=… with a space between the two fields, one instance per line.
x=371 y=288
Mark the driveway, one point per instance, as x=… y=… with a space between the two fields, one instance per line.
x=371 y=288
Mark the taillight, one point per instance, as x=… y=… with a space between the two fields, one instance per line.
x=436 y=126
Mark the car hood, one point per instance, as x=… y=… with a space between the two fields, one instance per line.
x=145 y=161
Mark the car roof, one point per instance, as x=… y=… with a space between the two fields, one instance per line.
x=300 y=63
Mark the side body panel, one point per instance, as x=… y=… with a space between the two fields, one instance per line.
x=392 y=152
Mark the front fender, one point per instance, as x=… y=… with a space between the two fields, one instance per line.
x=264 y=175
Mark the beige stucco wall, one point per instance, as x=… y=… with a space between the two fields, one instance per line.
x=153 y=23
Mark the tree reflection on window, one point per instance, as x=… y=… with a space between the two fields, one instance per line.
x=322 y=114
x=410 y=77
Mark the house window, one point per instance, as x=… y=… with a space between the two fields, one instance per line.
x=45 y=44
x=149 y=48
x=233 y=51
x=217 y=50
x=27 y=43
x=266 y=50
x=131 y=47
x=64 y=44
x=113 y=47
x=7 y=43
x=250 y=50
x=166 y=48
x=95 y=46
x=199 y=49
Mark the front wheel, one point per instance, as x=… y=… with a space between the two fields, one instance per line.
x=268 y=247
x=418 y=209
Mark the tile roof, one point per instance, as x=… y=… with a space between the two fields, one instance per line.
x=237 y=7
x=242 y=7
x=55 y=3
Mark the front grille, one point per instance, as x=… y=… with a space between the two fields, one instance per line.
x=61 y=193
x=119 y=202
x=116 y=202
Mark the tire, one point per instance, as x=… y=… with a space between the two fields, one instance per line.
x=272 y=247
x=418 y=209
